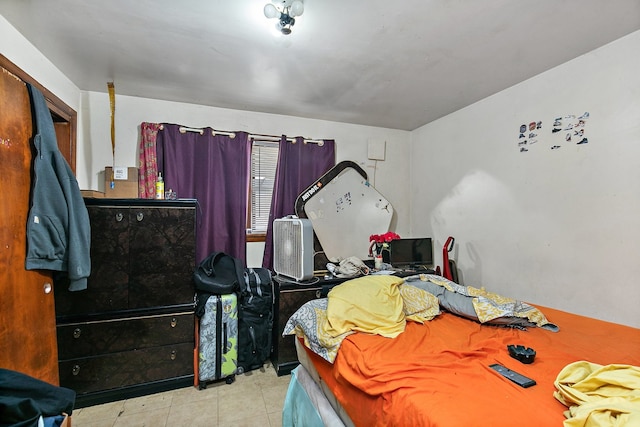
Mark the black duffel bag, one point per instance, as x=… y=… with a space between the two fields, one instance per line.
x=219 y=274
x=255 y=319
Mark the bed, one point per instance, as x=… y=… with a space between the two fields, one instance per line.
x=436 y=371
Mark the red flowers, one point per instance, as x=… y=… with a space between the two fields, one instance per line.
x=380 y=242
x=383 y=238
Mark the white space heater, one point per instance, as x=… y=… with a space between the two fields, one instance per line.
x=293 y=248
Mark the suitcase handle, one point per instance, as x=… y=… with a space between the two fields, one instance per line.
x=225 y=337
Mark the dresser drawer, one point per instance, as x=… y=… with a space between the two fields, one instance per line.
x=127 y=368
x=83 y=339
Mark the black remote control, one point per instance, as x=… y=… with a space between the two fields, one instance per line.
x=517 y=378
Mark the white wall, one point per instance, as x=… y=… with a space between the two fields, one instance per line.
x=560 y=227
x=22 y=53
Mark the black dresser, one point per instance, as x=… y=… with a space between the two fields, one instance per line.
x=132 y=331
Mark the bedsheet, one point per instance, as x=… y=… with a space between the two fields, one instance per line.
x=437 y=373
x=306 y=405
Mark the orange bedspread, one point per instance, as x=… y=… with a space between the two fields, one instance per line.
x=438 y=374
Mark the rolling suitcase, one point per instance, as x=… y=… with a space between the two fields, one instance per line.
x=217 y=340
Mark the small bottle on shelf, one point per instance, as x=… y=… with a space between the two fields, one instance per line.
x=159 y=187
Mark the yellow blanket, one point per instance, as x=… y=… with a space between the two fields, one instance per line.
x=598 y=395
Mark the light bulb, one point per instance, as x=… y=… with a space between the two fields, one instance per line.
x=270 y=11
x=297 y=8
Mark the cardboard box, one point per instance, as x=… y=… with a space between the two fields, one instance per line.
x=93 y=194
x=125 y=183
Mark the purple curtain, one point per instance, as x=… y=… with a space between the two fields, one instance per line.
x=299 y=165
x=215 y=171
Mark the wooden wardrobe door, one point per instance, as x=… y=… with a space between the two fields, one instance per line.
x=27 y=315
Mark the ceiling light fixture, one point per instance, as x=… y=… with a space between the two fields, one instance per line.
x=285 y=11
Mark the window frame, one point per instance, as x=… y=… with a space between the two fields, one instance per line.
x=270 y=162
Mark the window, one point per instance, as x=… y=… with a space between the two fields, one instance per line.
x=264 y=158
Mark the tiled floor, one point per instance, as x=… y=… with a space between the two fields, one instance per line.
x=254 y=399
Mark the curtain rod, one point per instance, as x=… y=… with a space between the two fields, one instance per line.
x=273 y=138
x=214 y=132
x=257 y=137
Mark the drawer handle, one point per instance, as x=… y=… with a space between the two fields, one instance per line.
x=173 y=355
x=174 y=322
x=76 y=369
x=77 y=332
x=119 y=217
x=139 y=216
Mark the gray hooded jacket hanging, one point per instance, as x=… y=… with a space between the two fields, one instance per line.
x=58 y=230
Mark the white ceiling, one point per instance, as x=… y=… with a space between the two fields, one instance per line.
x=394 y=64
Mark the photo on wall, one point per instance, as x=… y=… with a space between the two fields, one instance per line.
x=569 y=129
x=566 y=129
x=528 y=135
